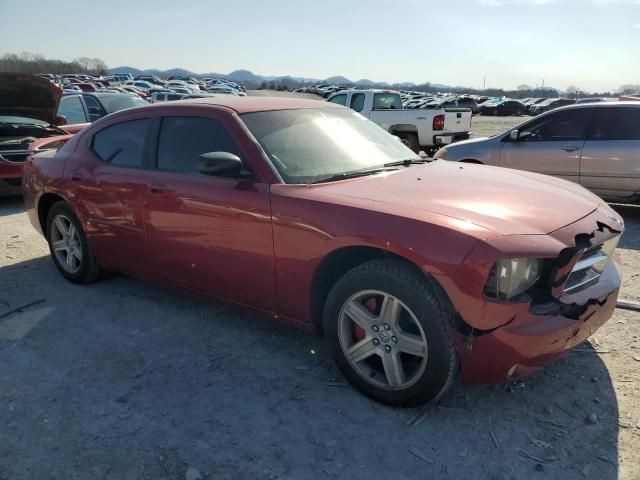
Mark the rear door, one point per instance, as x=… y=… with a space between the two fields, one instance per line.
x=610 y=165
x=109 y=182
x=550 y=144
x=209 y=233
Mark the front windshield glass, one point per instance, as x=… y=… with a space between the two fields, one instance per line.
x=309 y=145
x=116 y=103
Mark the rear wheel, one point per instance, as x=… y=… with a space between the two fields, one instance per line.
x=68 y=245
x=387 y=329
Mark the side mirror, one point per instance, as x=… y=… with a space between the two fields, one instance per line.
x=221 y=164
x=514 y=135
x=60 y=120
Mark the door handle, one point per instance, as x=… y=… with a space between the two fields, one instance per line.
x=156 y=189
x=76 y=178
x=570 y=148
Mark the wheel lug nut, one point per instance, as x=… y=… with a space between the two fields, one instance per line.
x=394 y=339
x=387 y=348
x=376 y=341
x=386 y=327
x=376 y=328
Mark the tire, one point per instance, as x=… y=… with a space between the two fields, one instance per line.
x=414 y=144
x=421 y=326
x=83 y=267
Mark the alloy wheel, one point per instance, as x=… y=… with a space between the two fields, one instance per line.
x=382 y=340
x=65 y=242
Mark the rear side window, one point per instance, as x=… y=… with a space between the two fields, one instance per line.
x=123 y=143
x=71 y=108
x=387 y=101
x=183 y=139
x=357 y=102
x=558 y=126
x=615 y=124
x=339 y=99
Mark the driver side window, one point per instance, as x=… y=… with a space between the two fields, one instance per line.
x=559 y=126
x=339 y=99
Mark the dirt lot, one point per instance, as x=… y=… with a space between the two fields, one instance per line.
x=126 y=380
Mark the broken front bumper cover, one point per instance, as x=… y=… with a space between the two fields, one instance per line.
x=502 y=340
x=530 y=341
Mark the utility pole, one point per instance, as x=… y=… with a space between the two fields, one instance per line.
x=543 y=84
x=484 y=82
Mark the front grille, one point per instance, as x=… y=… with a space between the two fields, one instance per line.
x=590 y=265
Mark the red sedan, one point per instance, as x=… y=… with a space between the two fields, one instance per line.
x=306 y=210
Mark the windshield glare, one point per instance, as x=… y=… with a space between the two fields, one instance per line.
x=309 y=145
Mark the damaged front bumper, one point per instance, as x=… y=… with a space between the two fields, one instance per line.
x=499 y=340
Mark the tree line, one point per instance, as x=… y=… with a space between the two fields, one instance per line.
x=27 y=62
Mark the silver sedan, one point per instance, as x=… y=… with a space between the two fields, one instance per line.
x=595 y=145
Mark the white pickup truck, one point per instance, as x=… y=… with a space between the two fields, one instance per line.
x=421 y=129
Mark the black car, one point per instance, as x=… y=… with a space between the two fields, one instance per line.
x=502 y=107
x=88 y=107
x=550 y=104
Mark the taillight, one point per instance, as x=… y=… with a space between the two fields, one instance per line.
x=438 y=122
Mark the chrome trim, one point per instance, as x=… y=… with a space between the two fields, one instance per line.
x=590 y=261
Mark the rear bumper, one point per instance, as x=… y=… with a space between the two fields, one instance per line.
x=529 y=341
x=448 y=138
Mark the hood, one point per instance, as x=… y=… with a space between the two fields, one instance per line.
x=507 y=202
x=25 y=95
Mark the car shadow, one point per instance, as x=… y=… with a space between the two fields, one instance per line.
x=631 y=214
x=10 y=205
x=123 y=378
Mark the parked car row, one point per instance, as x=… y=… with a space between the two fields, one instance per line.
x=145 y=86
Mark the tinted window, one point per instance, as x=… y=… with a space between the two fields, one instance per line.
x=616 y=124
x=339 y=99
x=71 y=108
x=357 y=102
x=559 y=126
x=115 y=103
x=183 y=139
x=122 y=144
x=92 y=102
x=387 y=101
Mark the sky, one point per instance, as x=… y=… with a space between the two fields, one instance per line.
x=591 y=44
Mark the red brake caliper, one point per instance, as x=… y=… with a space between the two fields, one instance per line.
x=370 y=305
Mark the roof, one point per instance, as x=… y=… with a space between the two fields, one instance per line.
x=253 y=104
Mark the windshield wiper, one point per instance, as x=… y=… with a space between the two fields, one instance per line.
x=353 y=174
x=407 y=162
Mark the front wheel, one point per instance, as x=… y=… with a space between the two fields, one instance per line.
x=386 y=325
x=68 y=245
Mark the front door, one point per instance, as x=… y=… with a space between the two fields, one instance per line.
x=212 y=234
x=551 y=145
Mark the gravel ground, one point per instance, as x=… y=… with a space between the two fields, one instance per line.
x=123 y=379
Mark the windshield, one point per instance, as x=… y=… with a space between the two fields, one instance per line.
x=309 y=145
x=116 y=103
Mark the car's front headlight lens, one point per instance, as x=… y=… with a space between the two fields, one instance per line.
x=511 y=277
x=441 y=153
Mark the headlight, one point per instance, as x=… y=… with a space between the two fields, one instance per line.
x=441 y=153
x=510 y=277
